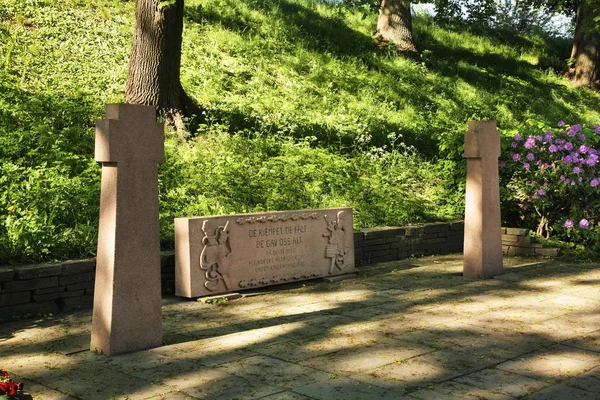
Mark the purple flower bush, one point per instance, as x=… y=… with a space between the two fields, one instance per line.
x=554 y=180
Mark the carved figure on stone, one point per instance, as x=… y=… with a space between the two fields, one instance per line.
x=214 y=258
x=336 y=247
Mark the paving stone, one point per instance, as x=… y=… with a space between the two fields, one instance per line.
x=175 y=337
x=33 y=340
x=456 y=390
x=341 y=388
x=517 y=313
x=366 y=312
x=165 y=370
x=433 y=338
x=509 y=277
x=589 y=382
x=464 y=360
x=207 y=352
x=218 y=384
x=503 y=382
x=557 y=362
x=503 y=343
x=37 y=367
x=286 y=396
x=174 y=395
x=307 y=348
x=589 y=341
x=408 y=322
x=93 y=382
x=563 y=391
x=362 y=358
x=415 y=372
x=563 y=328
x=357 y=327
x=70 y=343
x=274 y=372
x=38 y=391
x=137 y=361
x=309 y=326
x=588 y=293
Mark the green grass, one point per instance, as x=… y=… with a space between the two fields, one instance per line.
x=302 y=111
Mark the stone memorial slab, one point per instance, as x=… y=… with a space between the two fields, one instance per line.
x=234 y=252
x=483 y=238
x=127 y=313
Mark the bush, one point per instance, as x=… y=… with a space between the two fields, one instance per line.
x=553 y=178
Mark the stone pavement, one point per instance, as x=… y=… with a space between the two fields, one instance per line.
x=411 y=329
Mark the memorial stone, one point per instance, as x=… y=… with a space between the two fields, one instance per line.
x=228 y=253
x=127 y=297
x=483 y=239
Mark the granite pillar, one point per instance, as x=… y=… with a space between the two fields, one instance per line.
x=127 y=312
x=483 y=239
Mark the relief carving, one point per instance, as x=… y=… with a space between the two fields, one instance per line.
x=336 y=238
x=214 y=258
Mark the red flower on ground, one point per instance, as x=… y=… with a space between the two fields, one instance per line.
x=7 y=386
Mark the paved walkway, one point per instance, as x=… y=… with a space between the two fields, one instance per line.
x=413 y=329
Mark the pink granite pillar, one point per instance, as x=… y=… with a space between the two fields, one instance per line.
x=127 y=313
x=483 y=240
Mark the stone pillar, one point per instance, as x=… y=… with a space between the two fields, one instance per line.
x=483 y=240
x=127 y=313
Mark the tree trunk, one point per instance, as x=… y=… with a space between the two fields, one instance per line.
x=395 y=25
x=586 y=49
x=153 y=76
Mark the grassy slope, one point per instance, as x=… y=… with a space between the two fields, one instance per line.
x=302 y=112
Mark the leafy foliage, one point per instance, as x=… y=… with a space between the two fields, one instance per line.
x=553 y=178
x=303 y=111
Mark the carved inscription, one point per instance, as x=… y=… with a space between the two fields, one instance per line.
x=261 y=249
x=278 y=249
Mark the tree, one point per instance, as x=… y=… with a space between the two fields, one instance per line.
x=395 y=25
x=585 y=53
x=154 y=66
x=586 y=47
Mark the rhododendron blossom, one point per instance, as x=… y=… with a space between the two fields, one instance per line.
x=565 y=160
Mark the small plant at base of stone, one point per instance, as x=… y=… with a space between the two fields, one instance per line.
x=217 y=302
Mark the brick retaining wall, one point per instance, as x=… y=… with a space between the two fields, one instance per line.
x=30 y=290
x=397 y=243
x=517 y=242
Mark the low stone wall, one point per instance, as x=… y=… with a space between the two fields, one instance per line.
x=396 y=243
x=31 y=290
x=517 y=242
x=45 y=288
